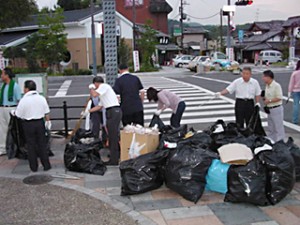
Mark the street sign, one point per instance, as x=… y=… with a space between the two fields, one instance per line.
x=176 y=31
x=241 y=35
x=110 y=41
x=39 y=78
x=136 y=61
x=230 y=54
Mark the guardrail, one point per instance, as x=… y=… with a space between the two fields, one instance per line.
x=65 y=117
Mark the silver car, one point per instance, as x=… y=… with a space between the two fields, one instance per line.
x=182 y=60
x=192 y=66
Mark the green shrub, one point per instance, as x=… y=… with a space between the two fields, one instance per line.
x=69 y=72
x=20 y=70
x=84 y=72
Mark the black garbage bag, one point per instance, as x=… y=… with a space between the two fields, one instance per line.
x=295 y=151
x=255 y=124
x=84 y=157
x=15 y=140
x=172 y=135
x=157 y=121
x=82 y=134
x=186 y=169
x=280 y=168
x=198 y=140
x=247 y=184
x=143 y=173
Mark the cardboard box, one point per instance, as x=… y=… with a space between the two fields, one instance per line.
x=235 y=154
x=151 y=141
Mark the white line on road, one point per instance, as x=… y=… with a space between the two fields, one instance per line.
x=264 y=115
x=62 y=92
x=154 y=105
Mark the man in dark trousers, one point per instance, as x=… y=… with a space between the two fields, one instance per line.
x=247 y=94
x=33 y=109
x=132 y=94
x=109 y=101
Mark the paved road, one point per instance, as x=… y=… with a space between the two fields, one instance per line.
x=197 y=90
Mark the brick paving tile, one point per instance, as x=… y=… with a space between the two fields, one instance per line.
x=9 y=164
x=205 y=220
x=79 y=182
x=156 y=216
x=282 y=215
x=265 y=223
x=186 y=212
x=295 y=209
x=101 y=190
x=297 y=197
x=207 y=198
x=164 y=194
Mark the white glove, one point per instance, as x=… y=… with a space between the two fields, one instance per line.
x=158 y=112
x=83 y=114
x=258 y=104
x=289 y=94
x=48 y=125
x=13 y=112
x=217 y=94
x=92 y=86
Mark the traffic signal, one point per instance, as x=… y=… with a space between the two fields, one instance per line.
x=244 y=2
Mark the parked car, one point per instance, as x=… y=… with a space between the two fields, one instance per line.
x=219 y=58
x=183 y=60
x=271 y=56
x=192 y=66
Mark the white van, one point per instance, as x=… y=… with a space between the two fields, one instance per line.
x=270 y=56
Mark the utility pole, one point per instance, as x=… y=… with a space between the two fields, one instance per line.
x=228 y=47
x=181 y=23
x=133 y=23
x=93 y=40
x=221 y=30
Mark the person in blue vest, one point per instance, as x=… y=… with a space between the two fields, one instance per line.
x=10 y=94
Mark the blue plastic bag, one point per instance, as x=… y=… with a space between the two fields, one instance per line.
x=216 y=178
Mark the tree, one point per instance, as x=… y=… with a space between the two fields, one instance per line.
x=146 y=44
x=31 y=54
x=13 y=53
x=51 y=41
x=124 y=52
x=16 y=11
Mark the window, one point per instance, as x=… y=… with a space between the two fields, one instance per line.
x=267 y=54
x=221 y=56
x=129 y=3
x=272 y=54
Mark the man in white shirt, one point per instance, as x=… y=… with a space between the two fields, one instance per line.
x=109 y=101
x=32 y=109
x=247 y=93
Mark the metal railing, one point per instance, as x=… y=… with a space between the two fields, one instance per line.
x=65 y=117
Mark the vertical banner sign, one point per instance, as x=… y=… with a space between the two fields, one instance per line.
x=241 y=36
x=110 y=41
x=2 y=61
x=230 y=54
x=136 y=61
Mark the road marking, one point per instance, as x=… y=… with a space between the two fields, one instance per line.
x=264 y=115
x=154 y=105
x=226 y=106
x=62 y=92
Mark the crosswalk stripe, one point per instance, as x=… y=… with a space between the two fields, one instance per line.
x=188 y=103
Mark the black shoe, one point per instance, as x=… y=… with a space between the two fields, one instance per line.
x=112 y=163
x=47 y=168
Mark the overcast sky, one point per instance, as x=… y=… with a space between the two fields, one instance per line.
x=261 y=10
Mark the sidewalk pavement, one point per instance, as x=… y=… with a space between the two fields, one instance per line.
x=161 y=206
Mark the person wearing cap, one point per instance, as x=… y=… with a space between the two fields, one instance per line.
x=10 y=94
x=247 y=95
x=33 y=110
x=110 y=102
x=273 y=100
x=132 y=94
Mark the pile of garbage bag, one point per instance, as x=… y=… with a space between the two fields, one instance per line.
x=82 y=154
x=15 y=140
x=263 y=173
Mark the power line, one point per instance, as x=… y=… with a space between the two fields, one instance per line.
x=204 y=18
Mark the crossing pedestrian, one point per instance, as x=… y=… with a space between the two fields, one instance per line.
x=109 y=101
x=10 y=94
x=33 y=110
x=273 y=100
x=294 y=91
x=167 y=99
x=247 y=95
x=132 y=94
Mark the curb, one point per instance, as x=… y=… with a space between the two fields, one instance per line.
x=135 y=215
